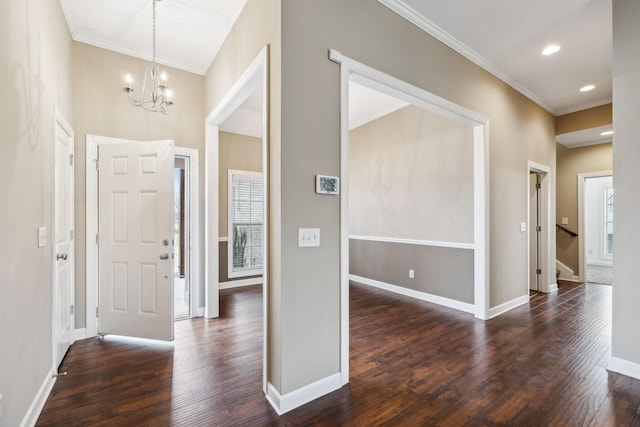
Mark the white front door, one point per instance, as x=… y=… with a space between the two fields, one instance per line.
x=63 y=266
x=135 y=219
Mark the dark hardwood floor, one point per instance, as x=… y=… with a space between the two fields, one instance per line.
x=412 y=364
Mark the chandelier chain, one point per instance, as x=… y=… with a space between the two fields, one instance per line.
x=154 y=32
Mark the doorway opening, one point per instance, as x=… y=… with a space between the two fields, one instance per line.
x=191 y=210
x=535 y=231
x=596 y=217
x=181 y=281
x=540 y=277
x=242 y=113
x=476 y=243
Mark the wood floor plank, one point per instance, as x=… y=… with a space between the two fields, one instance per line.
x=412 y=364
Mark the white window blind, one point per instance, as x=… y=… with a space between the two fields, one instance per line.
x=246 y=231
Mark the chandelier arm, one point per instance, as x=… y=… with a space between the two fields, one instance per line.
x=155 y=95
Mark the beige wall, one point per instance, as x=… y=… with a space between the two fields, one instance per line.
x=411 y=176
x=237 y=152
x=570 y=163
x=258 y=26
x=35 y=65
x=626 y=152
x=101 y=108
x=585 y=119
x=370 y=33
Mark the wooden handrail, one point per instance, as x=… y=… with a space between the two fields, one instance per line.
x=566 y=231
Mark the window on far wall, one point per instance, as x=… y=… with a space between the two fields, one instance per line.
x=246 y=207
x=608 y=222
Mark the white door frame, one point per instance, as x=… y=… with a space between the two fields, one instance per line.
x=582 y=256
x=256 y=74
x=193 y=157
x=547 y=263
x=91 y=229
x=59 y=120
x=351 y=70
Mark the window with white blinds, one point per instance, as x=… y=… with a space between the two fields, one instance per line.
x=246 y=231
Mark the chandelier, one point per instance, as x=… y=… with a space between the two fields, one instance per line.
x=156 y=95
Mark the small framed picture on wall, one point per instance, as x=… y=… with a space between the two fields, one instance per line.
x=327 y=184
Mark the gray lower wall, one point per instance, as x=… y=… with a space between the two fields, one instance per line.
x=222 y=267
x=445 y=272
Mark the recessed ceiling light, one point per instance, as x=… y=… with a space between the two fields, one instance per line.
x=587 y=88
x=551 y=49
x=606 y=133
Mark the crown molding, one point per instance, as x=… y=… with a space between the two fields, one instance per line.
x=411 y=15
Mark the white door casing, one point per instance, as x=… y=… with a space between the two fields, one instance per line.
x=135 y=267
x=63 y=265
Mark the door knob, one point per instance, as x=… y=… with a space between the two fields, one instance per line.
x=61 y=256
x=164 y=256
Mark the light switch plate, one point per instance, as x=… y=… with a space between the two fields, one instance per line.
x=565 y=220
x=42 y=237
x=523 y=227
x=308 y=237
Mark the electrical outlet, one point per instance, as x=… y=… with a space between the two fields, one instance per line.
x=42 y=237
x=411 y=274
x=523 y=227
x=308 y=237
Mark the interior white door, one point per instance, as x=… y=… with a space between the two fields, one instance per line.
x=63 y=266
x=534 y=233
x=135 y=220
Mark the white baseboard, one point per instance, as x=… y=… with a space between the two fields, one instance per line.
x=509 y=305
x=239 y=283
x=566 y=273
x=447 y=302
x=553 y=287
x=292 y=400
x=600 y=263
x=80 y=334
x=35 y=409
x=624 y=367
x=199 y=312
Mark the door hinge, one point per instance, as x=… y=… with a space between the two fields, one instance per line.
x=538 y=186
x=97 y=241
x=72 y=309
x=538 y=271
x=70 y=234
x=96 y=311
x=97 y=165
x=70 y=159
x=538 y=228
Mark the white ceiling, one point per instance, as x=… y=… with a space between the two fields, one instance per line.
x=583 y=138
x=503 y=36
x=189 y=32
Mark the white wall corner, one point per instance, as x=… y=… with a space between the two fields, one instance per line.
x=80 y=334
x=509 y=305
x=624 y=367
x=40 y=399
x=292 y=400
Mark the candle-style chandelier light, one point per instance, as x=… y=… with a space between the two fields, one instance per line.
x=155 y=95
